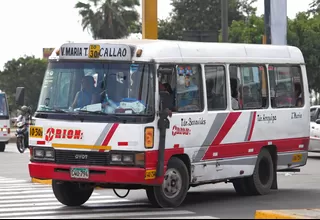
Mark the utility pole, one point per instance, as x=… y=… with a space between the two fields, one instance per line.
x=224 y=20
x=267 y=30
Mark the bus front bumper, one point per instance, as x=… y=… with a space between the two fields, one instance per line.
x=97 y=174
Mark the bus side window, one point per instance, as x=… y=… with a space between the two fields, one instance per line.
x=189 y=89
x=251 y=86
x=286 y=86
x=216 y=87
x=254 y=93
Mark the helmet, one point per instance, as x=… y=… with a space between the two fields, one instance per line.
x=24 y=109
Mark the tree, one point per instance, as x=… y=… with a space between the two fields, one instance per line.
x=314 y=6
x=307 y=31
x=249 y=31
x=25 y=72
x=204 y=15
x=109 y=19
x=169 y=29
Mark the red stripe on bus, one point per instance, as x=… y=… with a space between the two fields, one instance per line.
x=224 y=130
x=109 y=136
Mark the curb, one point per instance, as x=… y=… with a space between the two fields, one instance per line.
x=49 y=182
x=283 y=214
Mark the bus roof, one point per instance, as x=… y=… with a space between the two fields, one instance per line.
x=164 y=51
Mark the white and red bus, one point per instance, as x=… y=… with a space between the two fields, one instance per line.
x=165 y=116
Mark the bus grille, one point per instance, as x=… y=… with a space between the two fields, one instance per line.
x=81 y=158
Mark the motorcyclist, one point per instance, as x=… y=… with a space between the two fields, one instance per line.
x=25 y=113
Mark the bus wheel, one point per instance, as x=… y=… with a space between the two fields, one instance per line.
x=174 y=188
x=261 y=181
x=2 y=147
x=70 y=194
x=241 y=186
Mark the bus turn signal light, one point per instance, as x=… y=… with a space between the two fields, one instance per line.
x=148 y=137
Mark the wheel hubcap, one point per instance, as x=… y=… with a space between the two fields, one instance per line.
x=172 y=183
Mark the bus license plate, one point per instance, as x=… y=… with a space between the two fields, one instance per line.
x=80 y=173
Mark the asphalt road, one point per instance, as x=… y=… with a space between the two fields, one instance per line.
x=298 y=190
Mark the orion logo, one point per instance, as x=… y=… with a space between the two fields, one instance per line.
x=63 y=134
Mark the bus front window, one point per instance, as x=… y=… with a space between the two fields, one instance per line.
x=110 y=88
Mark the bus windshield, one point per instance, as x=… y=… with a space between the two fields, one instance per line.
x=92 y=87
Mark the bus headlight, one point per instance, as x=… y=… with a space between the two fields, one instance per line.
x=43 y=154
x=125 y=158
x=116 y=158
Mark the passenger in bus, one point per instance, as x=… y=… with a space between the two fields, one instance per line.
x=283 y=99
x=87 y=95
x=298 y=94
x=234 y=93
x=167 y=96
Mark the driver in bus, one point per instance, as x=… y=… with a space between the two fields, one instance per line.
x=87 y=95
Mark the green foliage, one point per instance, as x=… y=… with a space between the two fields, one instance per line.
x=204 y=15
x=25 y=72
x=109 y=19
x=307 y=31
x=250 y=30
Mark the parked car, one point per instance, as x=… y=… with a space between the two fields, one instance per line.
x=314 y=145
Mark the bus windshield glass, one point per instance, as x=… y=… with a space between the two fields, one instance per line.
x=103 y=88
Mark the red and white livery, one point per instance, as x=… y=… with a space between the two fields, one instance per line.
x=167 y=115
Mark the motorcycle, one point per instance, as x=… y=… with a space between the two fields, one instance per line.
x=22 y=133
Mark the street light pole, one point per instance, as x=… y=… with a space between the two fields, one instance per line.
x=224 y=20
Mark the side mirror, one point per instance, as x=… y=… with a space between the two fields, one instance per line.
x=318 y=121
x=20 y=95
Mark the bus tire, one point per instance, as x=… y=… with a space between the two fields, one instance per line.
x=174 y=188
x=151 y=197
x=70 y=194
x=2 y=147
x=261 y=181
x=241 y=186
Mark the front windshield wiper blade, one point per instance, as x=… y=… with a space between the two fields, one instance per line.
x=58 y=110
x=93 y=112
x=99 y=113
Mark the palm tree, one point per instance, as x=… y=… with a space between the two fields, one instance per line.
x=314 y=6
x=109 y=19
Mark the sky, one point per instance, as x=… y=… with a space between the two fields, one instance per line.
x=38 y=24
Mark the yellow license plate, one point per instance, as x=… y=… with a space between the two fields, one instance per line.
x=94 y=51
x=150 y=174
x=296 y=158
x=36 y=132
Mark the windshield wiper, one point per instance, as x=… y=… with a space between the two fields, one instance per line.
x=48 y=109
x=115 y=117
x=92 y=112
